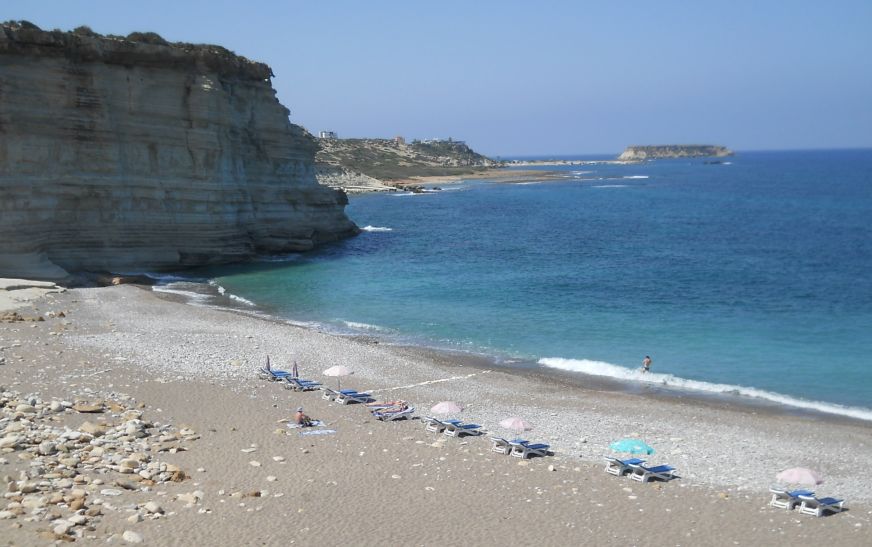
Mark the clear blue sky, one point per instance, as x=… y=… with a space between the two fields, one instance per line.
x=517 y=78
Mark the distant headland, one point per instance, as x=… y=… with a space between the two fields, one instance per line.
x=636 y=153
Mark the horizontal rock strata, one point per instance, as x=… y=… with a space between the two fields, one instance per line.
x=120 y=155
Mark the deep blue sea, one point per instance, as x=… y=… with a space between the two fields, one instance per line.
x=751 y=277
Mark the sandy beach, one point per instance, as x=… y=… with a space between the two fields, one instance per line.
x=189 y=373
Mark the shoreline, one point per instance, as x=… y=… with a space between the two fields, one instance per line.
x=195 y=366
x=532 y=367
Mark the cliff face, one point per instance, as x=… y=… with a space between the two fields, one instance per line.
x=119 y=156
x=635 y=153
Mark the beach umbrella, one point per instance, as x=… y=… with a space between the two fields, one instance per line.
x=267 y=363
x=295 y=371
x=632 y=446
x=338 y=371
x=516 y=424
x=446 y=407
x=800 y=475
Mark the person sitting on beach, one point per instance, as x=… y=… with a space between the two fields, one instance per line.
x=646 y=363
x=301 y=419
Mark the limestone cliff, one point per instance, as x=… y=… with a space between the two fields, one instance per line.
x=636 y=153
x=131 y=154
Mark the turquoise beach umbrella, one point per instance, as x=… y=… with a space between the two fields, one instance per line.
x=632 y=446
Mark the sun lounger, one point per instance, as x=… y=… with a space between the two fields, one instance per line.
x=381 y=405
x=331 y=394
x=819 y=506
x=436 y=425
x=644 y=474
x=528 y=450
x=619 y=467
x=299 y=384
x=504 y=446
x=783 y=499
x=272 y=375
x=345 y=397
x=391 y=415
x=456 y=429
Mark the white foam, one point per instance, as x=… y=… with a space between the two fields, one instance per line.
x=376 y=229
x=601 y=368
x=636 y=177
x=194 y=296
x=223 y=292
x=363 y=326
x=245 y=301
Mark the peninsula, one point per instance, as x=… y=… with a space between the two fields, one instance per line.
x=639 y=153
x=122 y=154
x=357 y=165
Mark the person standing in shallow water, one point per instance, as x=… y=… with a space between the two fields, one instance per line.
x=646 y=363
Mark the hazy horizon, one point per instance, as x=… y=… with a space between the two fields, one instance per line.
x=512 y=79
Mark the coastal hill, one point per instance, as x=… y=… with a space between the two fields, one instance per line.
x=122 y=154
x=381 y=164
x=636 y=153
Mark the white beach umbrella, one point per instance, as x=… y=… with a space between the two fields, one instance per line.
x=338 y=370
x=446 y=407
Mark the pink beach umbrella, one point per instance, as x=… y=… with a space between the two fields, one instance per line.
x=800 y=475
x=516 y=424
x=446 y=407
x=338 y=371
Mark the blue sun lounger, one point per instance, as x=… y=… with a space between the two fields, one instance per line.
x=644 y=474
x=299 y=384
x=528 y=450
x=436 y=425
x=819 y=506
x=345 y=397
x=456 y=429
x=783 y=499
x=618 y=467
x=504 y=446
x=272 y=375
x=331 y=394
x=389 y=415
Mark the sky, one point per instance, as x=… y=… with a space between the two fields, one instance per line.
x=515 y=78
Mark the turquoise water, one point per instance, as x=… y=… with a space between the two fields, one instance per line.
x=751 y=277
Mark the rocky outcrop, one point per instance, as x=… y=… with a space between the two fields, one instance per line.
x=338 y=177
x=137 y=155
x=638 y=153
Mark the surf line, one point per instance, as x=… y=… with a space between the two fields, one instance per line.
x=428 y=382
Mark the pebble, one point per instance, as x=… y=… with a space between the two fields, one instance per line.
x=131 y=537
x=271 y=478
x=133 y=519
x=254 y=463
x=153 y=507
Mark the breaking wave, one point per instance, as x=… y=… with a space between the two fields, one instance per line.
x=601 y=368
x=376 y=229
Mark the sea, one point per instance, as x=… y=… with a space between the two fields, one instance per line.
x=748 y=278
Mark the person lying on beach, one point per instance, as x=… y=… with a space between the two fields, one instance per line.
x=382 y=406
x=301 y=419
